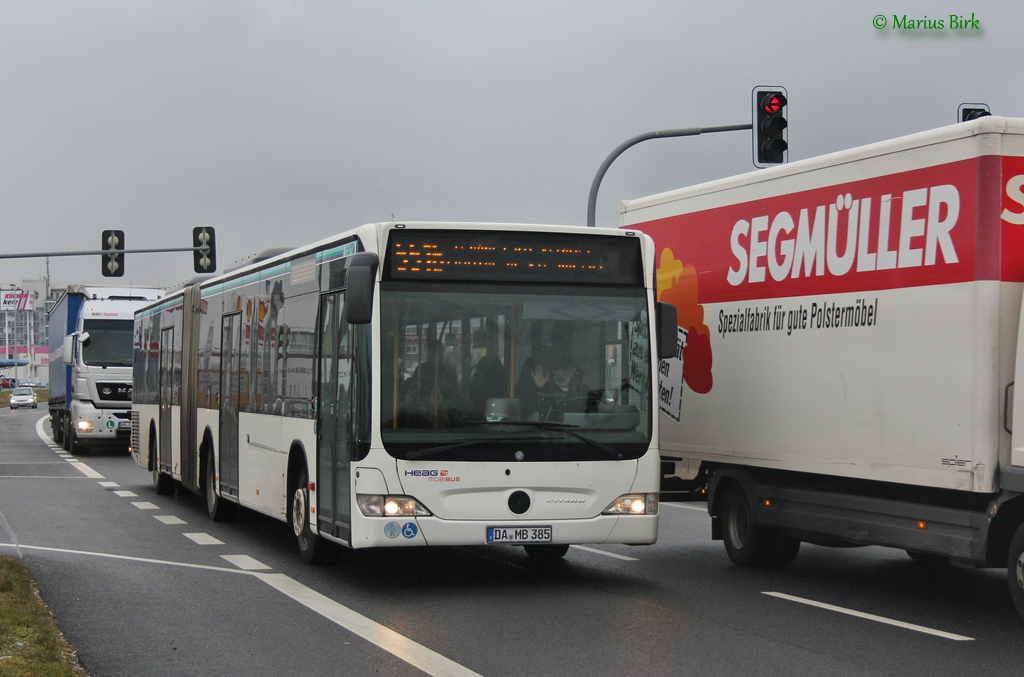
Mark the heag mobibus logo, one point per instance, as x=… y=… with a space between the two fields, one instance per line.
x=433 y=475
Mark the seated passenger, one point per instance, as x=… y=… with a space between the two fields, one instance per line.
x=428 y=400
x=489 y=378
x=533 y=377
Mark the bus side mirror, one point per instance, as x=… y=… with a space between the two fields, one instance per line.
x=359 y=278
x=666 y=319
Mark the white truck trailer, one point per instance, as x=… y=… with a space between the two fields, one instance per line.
x=849 y=333
x=91 y=352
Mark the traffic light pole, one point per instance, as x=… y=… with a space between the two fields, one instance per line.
x=39 y=255
x=663 y=134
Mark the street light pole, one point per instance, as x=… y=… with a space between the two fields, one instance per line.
x=663 y=134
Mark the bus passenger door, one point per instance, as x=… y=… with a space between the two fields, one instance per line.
x=164 y=453
x=230 y=364
x=334 y=383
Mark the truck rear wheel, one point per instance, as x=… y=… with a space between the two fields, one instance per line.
x=784 y=549
x=1015 y=570
x=746 y=544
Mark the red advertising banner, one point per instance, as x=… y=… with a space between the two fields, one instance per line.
x=936 y=225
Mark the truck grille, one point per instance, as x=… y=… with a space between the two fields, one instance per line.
x=114 y=392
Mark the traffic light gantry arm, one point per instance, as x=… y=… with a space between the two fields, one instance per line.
x=629 y=143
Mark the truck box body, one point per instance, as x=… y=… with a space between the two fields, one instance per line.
x=63 y=315
x=851 y=315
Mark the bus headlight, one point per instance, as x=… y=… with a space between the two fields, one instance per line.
x=375 y=505
x=633 y=504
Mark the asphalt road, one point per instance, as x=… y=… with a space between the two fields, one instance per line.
x=147 y=585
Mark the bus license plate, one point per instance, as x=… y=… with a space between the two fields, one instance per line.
x=518 y=534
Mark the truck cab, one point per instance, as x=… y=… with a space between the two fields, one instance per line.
x=91 y=405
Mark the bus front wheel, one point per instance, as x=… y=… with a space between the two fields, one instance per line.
x=546 y=553
x=309 y=544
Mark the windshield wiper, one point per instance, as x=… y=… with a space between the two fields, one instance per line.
x=432 y=451
x=566 y=428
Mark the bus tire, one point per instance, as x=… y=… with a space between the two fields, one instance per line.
x=162 y=484
x=1015 y=570
x=310 y=545
x=217 y=507
x=542 y=552
x=745 y=543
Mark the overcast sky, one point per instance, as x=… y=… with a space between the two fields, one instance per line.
x=281 y=123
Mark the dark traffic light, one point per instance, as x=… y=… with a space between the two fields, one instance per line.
x=771 y=137
x=204 y=259
x=113 y=253
x=972 y=111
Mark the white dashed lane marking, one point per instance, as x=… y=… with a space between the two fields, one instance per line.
x=145 y=505
x=170 y=519
x=75 y=463
x=605 y=553
x=125 y=494
x=246 y=563
x=203 y=539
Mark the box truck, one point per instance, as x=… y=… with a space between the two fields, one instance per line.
x=91 y=352
x=849 y=339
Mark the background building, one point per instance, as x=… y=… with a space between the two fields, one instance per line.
x=23 y=329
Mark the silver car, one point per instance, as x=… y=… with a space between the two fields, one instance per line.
x=23 y=397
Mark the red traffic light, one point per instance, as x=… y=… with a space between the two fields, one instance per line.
x=771 y=138
x=773 y=103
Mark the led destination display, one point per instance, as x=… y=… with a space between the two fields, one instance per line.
x=464 y=255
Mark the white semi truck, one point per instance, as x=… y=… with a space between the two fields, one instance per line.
x=849 y=339
x=91 y=352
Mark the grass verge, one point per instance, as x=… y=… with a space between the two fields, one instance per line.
x=31 y=645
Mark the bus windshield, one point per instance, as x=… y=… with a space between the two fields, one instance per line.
x=109 y=343
x=538 y=373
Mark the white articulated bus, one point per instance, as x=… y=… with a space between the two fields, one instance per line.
x=416 y=384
